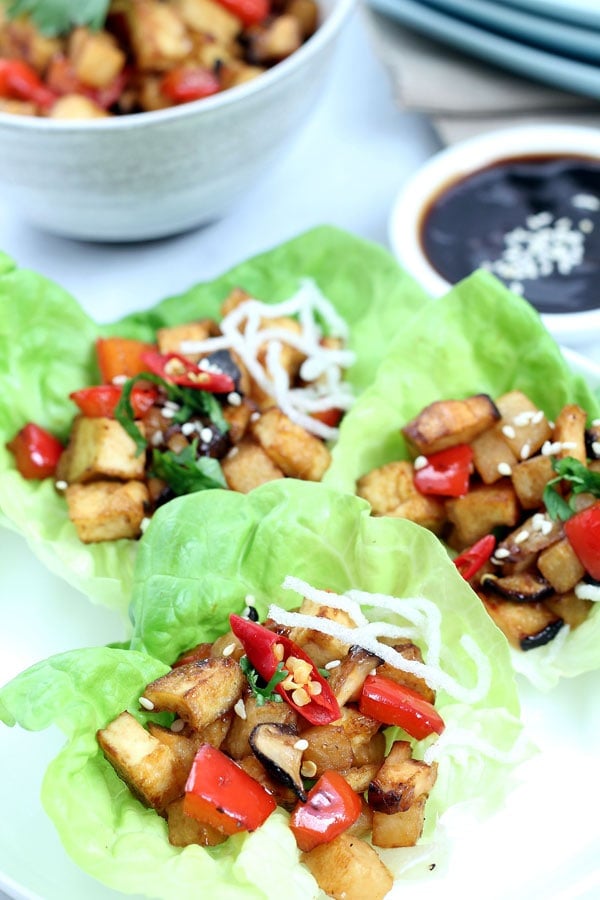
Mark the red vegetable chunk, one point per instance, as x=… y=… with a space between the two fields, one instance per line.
x=330 y=809
x=36 y=452
x=394 y=704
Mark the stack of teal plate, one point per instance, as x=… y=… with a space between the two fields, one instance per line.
x=556 y=42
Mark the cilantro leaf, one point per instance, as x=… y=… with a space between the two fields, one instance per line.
x=124 y=410
x=185 y=473
x=54 y=17
x=266 y=692
x=581 y=480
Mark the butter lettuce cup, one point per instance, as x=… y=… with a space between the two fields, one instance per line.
x=48 y=350
x=480 y=339
x=208 y=555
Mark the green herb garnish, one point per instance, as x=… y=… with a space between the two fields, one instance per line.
x=185 y=472
x=266 y=692
x=54 y=17
x=582 y=481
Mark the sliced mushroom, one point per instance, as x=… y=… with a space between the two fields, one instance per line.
x=276 y=747
x=348 y=678
x=525 y=587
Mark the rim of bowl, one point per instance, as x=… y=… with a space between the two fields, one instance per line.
x=329 y=27
x=461 y=159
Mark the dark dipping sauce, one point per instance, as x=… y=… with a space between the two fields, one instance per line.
x=534 y=221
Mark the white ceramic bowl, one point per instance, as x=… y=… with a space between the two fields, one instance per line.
x=159 y=173
x=462 y=159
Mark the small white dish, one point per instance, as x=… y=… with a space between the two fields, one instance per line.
x=455 y=164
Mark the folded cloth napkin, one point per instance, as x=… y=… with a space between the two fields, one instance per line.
x=463 y=96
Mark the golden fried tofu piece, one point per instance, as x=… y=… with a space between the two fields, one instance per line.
x=209 y=17
x=146 y=765
x=345 y=865
x=391 y=491
x=492 y=457
x=401 y=780
x=298 y=453
x=525 y=625
x=100 y=448
x=198 y=692
x=560 y=566
x=247 y=466
x=158 y=35
x=76 y=106
x=276 y=39
x=529 y=479
x=322 y=648
x=569 y=431
x=107 y=510
x=523 y=426
x=481 y=510
x=445 y=423
x=96 y=57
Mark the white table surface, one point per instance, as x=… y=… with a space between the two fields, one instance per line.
x=344 y=169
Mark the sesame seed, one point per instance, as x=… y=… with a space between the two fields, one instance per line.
x=508 y=431
x=144 y=523
x=595 y=422
x=206 y=435
x=502 y=553
x=170 y=404
x=521 y=536
x=147 y=704
x=61 y=485
x=255 y=417
x=504 y=468
x=420 y=462
x=537 y=417
x=525 y=451
x=301 y=744
x=157 y=438
x=239 y=709
x=568 y=445
x=309 y=769
x=333 y=664
x=586 y=201
x=250 y=600
x=119 y=379
x=233 y=452
x=168 y=413
x=596 y=448
x=188 y=428
x=234 y=399
x=586 y=226
x=177 y=726
x=228 y=650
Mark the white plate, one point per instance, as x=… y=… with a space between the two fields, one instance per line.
x=551 y=34
x=537 y=64
x=542 y=846
x=580 y=12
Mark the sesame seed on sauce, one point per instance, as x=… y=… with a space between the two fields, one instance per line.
x=146 y=704
x=234 y=399
x=420 y=462
x=206 y=435
x=504 y=468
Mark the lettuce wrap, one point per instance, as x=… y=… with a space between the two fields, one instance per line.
x=195 y=566
x=478 y=338
x=47 y=351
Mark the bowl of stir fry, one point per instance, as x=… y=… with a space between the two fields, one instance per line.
x=138 y=119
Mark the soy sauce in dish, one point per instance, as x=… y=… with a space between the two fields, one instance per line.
x=534 y=221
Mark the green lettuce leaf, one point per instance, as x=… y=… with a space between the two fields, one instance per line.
x=47 y=351
x=478 y=338
x=200 y=558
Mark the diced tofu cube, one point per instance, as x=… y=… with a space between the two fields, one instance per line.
x=345 y=865
x=529 y=479
x=525 y=625
x=573 y=610
x=560 y=566
x=401 y=829
x=275 y=40
x=198 y=692
x=391 y=491
x=445 y=423
x=209 y=17
x=569 y=432
x=481 y=510
x=247 y=466
x=147 y=766
x=401 y=781
x=158 y=35
x=523 y=426
x=298 y=453
x=322 y=648
x=96 y=58
x=101 y=448
x=76 y=106
x=170 y=339
x=492 y=457
x=107 y=510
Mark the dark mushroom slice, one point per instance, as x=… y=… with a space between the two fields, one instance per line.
x=276 y=747
x=547 y=634
x=347 y=679
x=525 y=587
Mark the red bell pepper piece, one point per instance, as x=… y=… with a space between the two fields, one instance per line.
x=394 y=704
x=470 y=561
x=267 y=651
x=184 y=84
x=329 y=417
x=221 y=794
x=120 y=357
x=331 y=808
x=583 y=533
x=177 y=369
x=19 y=81
x=101 y=400
x=251 y=12
x=36 y=451
x=446 y=472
